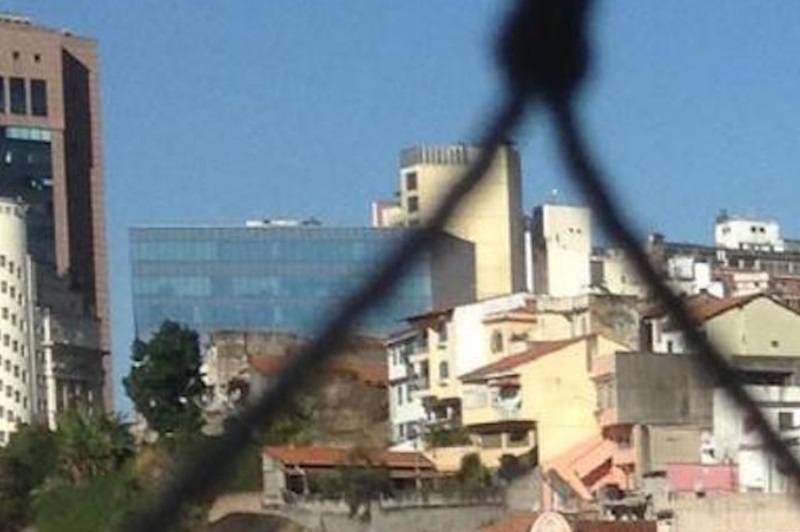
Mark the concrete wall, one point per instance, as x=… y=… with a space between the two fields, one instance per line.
x=562 y=246
x=761 y=327
x=735 y=513
x=661 y=389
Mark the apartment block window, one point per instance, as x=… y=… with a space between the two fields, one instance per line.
x=12 y=291
x=785 y=420
x=492 y=441
x=413 y=204
x=5 y=313
x=2 y=94
x=11 y=266
x=497 y=342
x=442 y=332
x=399 y=395
x=38 y=97
x=444 y=371
x=518 y=438
x=411 y=181
x=18 y=97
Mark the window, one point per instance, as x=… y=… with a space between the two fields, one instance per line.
x=413 y=204
x=492 y=441
x=442 y=332
x=3 y=286
x=399 y=395
x=19 y=100
x=38 y=97
x=6 y=340
x=15 y=55
x=8 y=365
x=775 y=344
x=12 y=291
x=11 y=266
x=497 y=342
x=518 y=438
x=2 y=94
x=16 y=370
x=37 y=58
x=17 y=398
x=785 y=420
x=444 y=371
x=5 y=313
x=411 y=181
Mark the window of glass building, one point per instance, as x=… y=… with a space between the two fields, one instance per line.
x=18 y=100
x=38 y=97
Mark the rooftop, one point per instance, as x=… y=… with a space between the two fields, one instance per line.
x=320 y=456
x=535 y=351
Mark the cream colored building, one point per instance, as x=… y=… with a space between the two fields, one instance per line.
x=748 y=325
x=562 y=246
x=542 y=397
x=491 y=217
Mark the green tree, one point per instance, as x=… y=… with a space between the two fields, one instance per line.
x=25 y=463
x=165 y=384
x=91 y=445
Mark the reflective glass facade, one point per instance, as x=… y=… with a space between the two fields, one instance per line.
x=265 y=278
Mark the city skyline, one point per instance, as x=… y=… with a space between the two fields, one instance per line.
x=694 y=120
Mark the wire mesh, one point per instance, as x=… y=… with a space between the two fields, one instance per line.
x=544 y=52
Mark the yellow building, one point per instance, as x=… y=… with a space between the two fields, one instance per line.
x=747 y=325
x=491 y=217
x=543 y=397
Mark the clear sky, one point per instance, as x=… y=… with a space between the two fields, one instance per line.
x=215 y=112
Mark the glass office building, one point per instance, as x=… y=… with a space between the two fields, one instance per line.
x=272 y=277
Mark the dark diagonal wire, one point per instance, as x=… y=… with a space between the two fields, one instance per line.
x=707 y=356
x=556 y=82
x=194 y=477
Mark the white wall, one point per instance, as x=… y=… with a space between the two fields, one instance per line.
x=757 y=468
x=748 y=233
x=566 y=234
x=15 y=350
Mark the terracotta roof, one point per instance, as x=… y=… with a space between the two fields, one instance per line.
x=703 y=307
x=318 y=456
x=536 y=350
x=366 y=371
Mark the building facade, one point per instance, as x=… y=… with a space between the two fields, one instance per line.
x=562 y=246
x=17 y=360
x=491 y=217
x=52 y=161
x=286 y=277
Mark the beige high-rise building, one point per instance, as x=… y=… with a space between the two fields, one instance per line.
x=491 y=217
x=52 y=161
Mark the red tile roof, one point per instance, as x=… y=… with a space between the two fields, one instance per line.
x=703 y=307
x=536 y=350
x=318 y=456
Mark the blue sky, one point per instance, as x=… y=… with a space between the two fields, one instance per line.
x=215 y=112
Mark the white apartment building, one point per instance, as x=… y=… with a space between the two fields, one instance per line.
x=17 y=368
x=742 y=232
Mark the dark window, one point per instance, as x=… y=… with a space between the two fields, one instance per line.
x=19 y=100
x=2 y=94
x=785 y=420
x=411 y=181
x=413 y=204
x=38 y=97
x=37 y=57
x=444 y=371
x=15 y=55
x=518 y=438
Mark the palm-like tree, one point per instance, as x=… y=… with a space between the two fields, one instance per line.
x=91 y=444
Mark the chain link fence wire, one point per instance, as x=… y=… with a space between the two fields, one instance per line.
x=544 y=53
